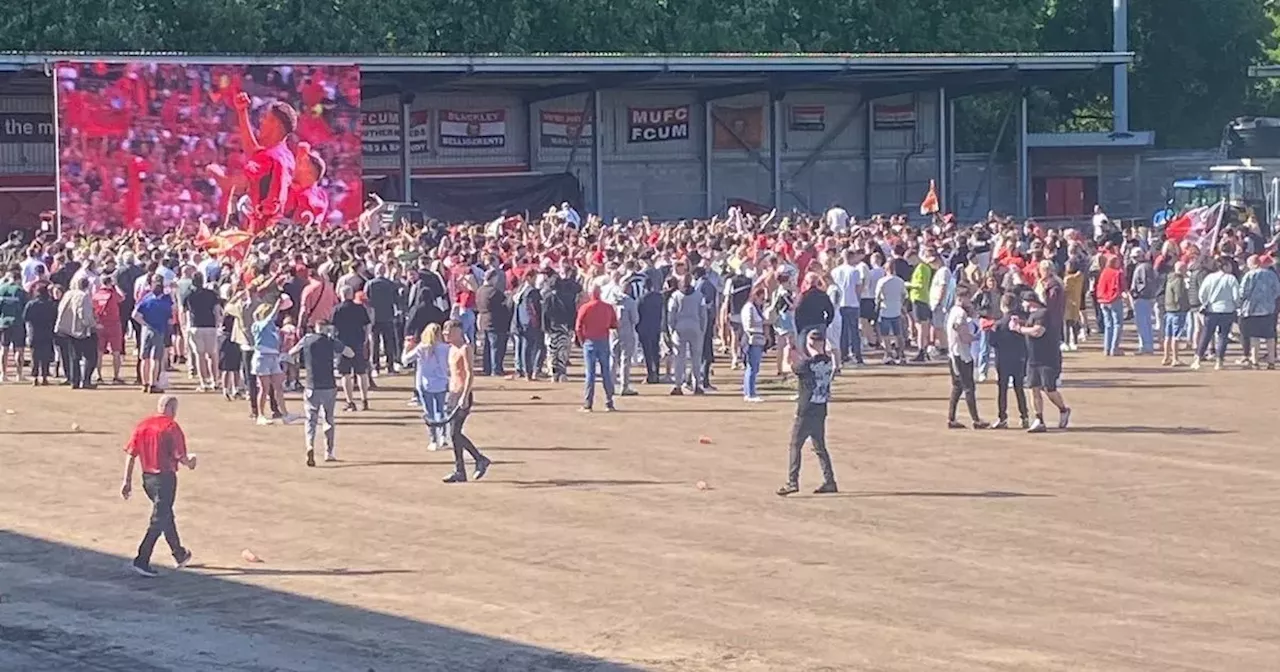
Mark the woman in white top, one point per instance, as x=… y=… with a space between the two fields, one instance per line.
x=753 y=329
x=431 y=379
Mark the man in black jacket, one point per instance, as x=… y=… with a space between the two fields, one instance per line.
x=380 y=292
x=814 y=310
x=651 y=308
x=319 y=351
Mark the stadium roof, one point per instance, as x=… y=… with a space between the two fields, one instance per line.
x=1264 y=71
x=715 y=75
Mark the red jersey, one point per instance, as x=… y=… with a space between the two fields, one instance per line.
x=158 y=443
x=269 y=173
x=309 y=205
x=106 y=307
x=595 y=319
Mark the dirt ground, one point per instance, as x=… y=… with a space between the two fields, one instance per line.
x=1144 y=538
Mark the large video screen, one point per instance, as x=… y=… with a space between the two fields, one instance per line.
x=159 y=147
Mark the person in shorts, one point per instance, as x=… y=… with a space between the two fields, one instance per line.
x=1044 y=362
x=352 y=324
x=106 y=308
x=230 y=362
x=890 y=297
x=154 y=312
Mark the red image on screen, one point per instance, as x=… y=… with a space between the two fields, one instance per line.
x=159 y=147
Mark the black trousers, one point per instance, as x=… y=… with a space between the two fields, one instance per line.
x=462 y=444
x=161 y=489
x=962 y=385
x=812 y=428
x=84 y=359
x=384 y=345
x=1015 y=373
x=65 y=354
x=41 y=357
x=708 y=349
x=649 y=345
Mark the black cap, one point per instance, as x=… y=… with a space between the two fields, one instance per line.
x=1032 y=297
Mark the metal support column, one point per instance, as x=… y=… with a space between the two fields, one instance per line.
x=597 y=156
x=867 y=126
x=951 y=153
x=775 y=147
x=1120 y=73
x=708 y=128
x=944 y=152
x=1024 y=172
x=406 y=171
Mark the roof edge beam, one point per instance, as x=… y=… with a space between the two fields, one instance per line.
x=610 y=81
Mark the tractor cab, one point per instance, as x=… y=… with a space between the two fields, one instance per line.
x=1189 y=194
x=1246 y=191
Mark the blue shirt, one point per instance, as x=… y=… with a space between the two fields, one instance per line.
x=156 y=312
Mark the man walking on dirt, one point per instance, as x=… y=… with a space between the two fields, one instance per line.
x=160 y=446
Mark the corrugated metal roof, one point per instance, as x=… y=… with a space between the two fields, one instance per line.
x=609 y=62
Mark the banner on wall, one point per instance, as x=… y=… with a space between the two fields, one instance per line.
x=19 y=127
x=894 y=117
x=565 y=128
x=380 y=131
x=737 y=127
x=808 y=118
x=185 y=163
x=657 y=124
x=481 y=129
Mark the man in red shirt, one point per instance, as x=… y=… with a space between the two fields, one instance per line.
x=269 y=171
x=596 y=319
x=308 y=202
x=106 y=307
x=160 y=446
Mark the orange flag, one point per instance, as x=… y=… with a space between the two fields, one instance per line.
x=929 y=205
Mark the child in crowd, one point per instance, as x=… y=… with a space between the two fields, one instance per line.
x=230 y=361
x=288 y=339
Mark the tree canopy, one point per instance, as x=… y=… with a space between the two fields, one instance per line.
x=1189 y=79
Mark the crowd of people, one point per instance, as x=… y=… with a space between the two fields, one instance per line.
x=330 y=311
x=144 y=145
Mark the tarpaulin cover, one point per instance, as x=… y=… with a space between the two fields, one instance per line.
x=484 y=197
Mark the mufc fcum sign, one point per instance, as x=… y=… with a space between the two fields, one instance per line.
x=473 y=129
x=657 y=124
x=380 y=130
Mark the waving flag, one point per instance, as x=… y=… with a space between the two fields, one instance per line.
x=929 y=205
x=1198 y=225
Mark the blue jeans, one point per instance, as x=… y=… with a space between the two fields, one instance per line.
x=596 y=352
x=1142 y=318
x=433 y=409
x=1112 y=326
x=850 y=335
x=984 y=352
x=752 y=373
x=530 y=347
x=495 y=352
x=468 y=320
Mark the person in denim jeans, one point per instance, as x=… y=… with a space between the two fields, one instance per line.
x=753 y=324
x=1219 y=297
x=595 y=320
x=1144 y=287
x=1109 y=294
x=431 y=380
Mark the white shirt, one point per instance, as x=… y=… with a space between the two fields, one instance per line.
x=891 y=291
x=848 y=279
x=838 y=219
x=870 y=278
x=571 y=217
x=960 y=333
x=1099 y=224
x=29 y=274
x=938 y=287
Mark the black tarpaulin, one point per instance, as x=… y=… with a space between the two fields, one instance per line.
x=484 y=197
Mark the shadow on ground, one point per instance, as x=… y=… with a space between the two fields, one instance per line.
x=76 y=610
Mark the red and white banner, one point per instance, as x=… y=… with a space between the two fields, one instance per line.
x=894 y=117
x=1198 y=225
x=565 y=128
x=483 y=129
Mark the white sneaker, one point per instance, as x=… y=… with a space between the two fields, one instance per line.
x=433 y=447
x=753 y=400
x=290 y=418
x=264 y=420
x=982 y=377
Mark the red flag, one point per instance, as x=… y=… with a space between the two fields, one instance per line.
x=929 y=205
x=1198 y=225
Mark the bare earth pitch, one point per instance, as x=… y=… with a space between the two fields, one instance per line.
x=1146 y=538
